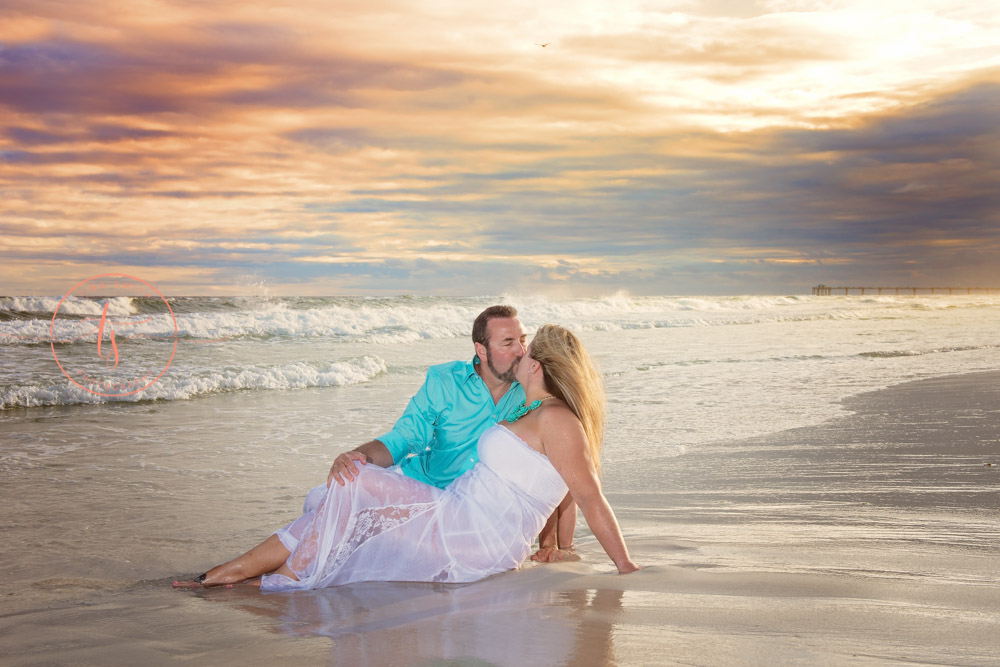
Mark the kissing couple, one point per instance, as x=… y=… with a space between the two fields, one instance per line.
x=488 y=454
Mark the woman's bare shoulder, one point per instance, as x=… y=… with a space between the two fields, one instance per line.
x=558 y=419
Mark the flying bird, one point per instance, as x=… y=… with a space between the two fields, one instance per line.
x=542 y=45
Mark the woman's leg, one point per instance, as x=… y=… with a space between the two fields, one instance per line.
x=287 y=571
x=264 y=558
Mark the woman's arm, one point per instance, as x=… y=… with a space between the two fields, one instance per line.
x=566 y=446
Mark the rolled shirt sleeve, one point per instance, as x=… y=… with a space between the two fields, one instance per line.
x=414 y=430
x=435 y=439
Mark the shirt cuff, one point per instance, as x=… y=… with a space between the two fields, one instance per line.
x=396 y=444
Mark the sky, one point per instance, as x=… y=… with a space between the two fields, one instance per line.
x=480 y=148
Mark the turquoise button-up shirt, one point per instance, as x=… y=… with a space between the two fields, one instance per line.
x=435 y=439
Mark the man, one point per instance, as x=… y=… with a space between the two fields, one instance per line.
x=435 y=439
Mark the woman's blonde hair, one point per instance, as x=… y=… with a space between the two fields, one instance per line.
x=570 y=375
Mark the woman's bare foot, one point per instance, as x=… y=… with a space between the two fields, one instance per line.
x=189 y=584
x=252 y=583
x=266 y=557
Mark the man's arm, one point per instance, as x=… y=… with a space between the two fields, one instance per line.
x=555 y=542
x=344 y=468
x=548 y=538
x=567 y=523
x=413 y=430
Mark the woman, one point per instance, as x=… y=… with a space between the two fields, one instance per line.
x=387 y=527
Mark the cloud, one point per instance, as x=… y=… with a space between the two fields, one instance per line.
x=757 y=44
x=385 y=147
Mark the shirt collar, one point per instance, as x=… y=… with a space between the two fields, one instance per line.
x=470 y=372
x=470 y=369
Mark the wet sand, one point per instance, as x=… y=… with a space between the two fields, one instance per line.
x=870 y=539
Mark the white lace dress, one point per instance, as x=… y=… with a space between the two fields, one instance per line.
x=384 y=526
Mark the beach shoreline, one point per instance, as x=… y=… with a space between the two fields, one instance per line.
x=868 y=539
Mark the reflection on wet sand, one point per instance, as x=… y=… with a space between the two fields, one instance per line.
x=506 y=620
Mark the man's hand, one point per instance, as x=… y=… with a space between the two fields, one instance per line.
x=344 y=468
x=552 y=554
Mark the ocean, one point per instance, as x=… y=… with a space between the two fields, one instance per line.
x=198 y=424
x=680 y=371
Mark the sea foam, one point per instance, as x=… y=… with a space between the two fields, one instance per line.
x=175 y=385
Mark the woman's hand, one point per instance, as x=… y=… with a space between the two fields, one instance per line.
x=628 y=567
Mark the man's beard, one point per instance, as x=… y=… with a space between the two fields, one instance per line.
x=506 y=376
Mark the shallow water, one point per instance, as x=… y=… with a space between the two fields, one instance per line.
x=887 y=514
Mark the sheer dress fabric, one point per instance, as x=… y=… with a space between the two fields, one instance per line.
x=384 y=526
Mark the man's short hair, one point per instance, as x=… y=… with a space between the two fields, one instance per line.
x=493 y=312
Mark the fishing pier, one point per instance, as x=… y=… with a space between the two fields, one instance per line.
x=826 y=290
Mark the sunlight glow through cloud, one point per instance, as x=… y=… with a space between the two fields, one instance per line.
x=333 y=147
